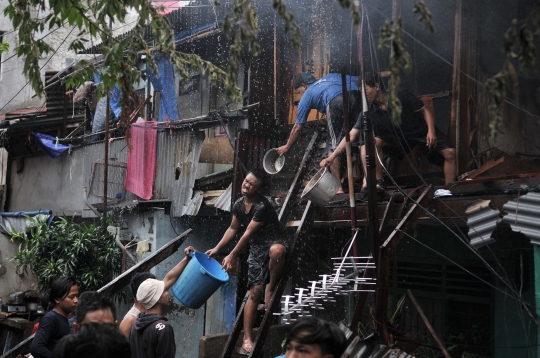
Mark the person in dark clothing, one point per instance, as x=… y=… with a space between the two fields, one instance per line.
x=63 y=298
x=267 y=246
x=95 y=340
x=417 y=126
x=151 y=335
x=312 y=337
x=94 y=308
x=326 y=96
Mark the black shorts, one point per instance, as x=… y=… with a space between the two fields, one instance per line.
x=258 y=270
x=408 y=143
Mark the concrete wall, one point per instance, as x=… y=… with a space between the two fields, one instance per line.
x=11 y=281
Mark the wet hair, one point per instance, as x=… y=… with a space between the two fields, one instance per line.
x=91 y=301
x=139 y=278
x=303 y=78
x=59 y=290
x=262 y=176
x=96 y=340
x=313 y=330
x=370 y=79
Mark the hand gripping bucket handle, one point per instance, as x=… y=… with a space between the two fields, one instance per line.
x=199 y=280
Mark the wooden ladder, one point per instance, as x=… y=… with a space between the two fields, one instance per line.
x=275 y=301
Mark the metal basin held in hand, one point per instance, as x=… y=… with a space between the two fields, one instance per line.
x=321 y=188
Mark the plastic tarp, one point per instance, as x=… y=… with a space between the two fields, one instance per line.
x=48 y=144
x=164 y=83
x=114 y=97
x=10 y=221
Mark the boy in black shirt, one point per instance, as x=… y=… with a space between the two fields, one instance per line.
x=267 y=246
x=417 y=126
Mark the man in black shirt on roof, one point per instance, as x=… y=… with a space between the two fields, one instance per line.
x=417 y=126
x=267 y=246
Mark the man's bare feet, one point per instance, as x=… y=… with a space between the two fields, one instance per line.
x=247 y=345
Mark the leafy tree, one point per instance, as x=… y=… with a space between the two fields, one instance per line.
x=67 y=248
x=4 y=47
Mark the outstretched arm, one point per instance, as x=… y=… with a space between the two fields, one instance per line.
x=252 y=227
x=176 y=271
x=340 y=148
x=227 y=237
x=295 y=134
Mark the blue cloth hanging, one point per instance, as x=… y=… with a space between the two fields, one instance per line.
x=48 y=144
x=164 y=83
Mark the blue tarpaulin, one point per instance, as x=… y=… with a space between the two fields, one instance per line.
x=48 y=144
x=164 y=83
x=114 y=98
x=18 y=220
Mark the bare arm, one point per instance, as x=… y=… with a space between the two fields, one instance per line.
x=340 y=148
x=172 y=276
x=252 y=227
x=295 y=134
x=431 y=137
x=227 y=237
x=125 y=325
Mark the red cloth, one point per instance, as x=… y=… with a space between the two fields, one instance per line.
x=141 y=165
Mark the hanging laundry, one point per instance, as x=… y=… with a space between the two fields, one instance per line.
x=164 y=83
x=49 y=145
x=141 y=165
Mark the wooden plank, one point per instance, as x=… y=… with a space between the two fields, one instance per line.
x=297 y=181
x=235 y=333
x=428 y=325
x=484 y=168
x=165 y=251
x=386 y=217
x=409 y=219
x=24 y=345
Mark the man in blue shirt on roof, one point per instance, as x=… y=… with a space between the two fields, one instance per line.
x=324 y=95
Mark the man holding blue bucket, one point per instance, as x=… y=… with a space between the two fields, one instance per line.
x=267 y=246
x=151 y=335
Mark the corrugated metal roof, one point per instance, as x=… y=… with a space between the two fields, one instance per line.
x=481 y=220
x=177 y=159
x=177 y=162
x=523 y=216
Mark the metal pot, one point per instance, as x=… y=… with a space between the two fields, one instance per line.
x=284 y=166
x=321 y=188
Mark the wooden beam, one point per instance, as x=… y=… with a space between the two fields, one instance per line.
x=297 y=181
x=484 y=168
x=409 y=219
x=428 y=325
x=165 y=251
x=386 y=217
x=237 y=328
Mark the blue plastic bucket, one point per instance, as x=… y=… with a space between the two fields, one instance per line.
x=199 y=280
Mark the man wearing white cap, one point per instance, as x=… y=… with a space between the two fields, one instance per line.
x=151 y=335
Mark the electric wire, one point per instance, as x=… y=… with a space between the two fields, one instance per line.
x=507 y=100
x=400 y=142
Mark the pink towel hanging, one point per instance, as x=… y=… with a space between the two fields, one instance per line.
x=141 y=165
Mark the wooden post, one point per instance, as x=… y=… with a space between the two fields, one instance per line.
x=456 y=84
x=428 y=325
